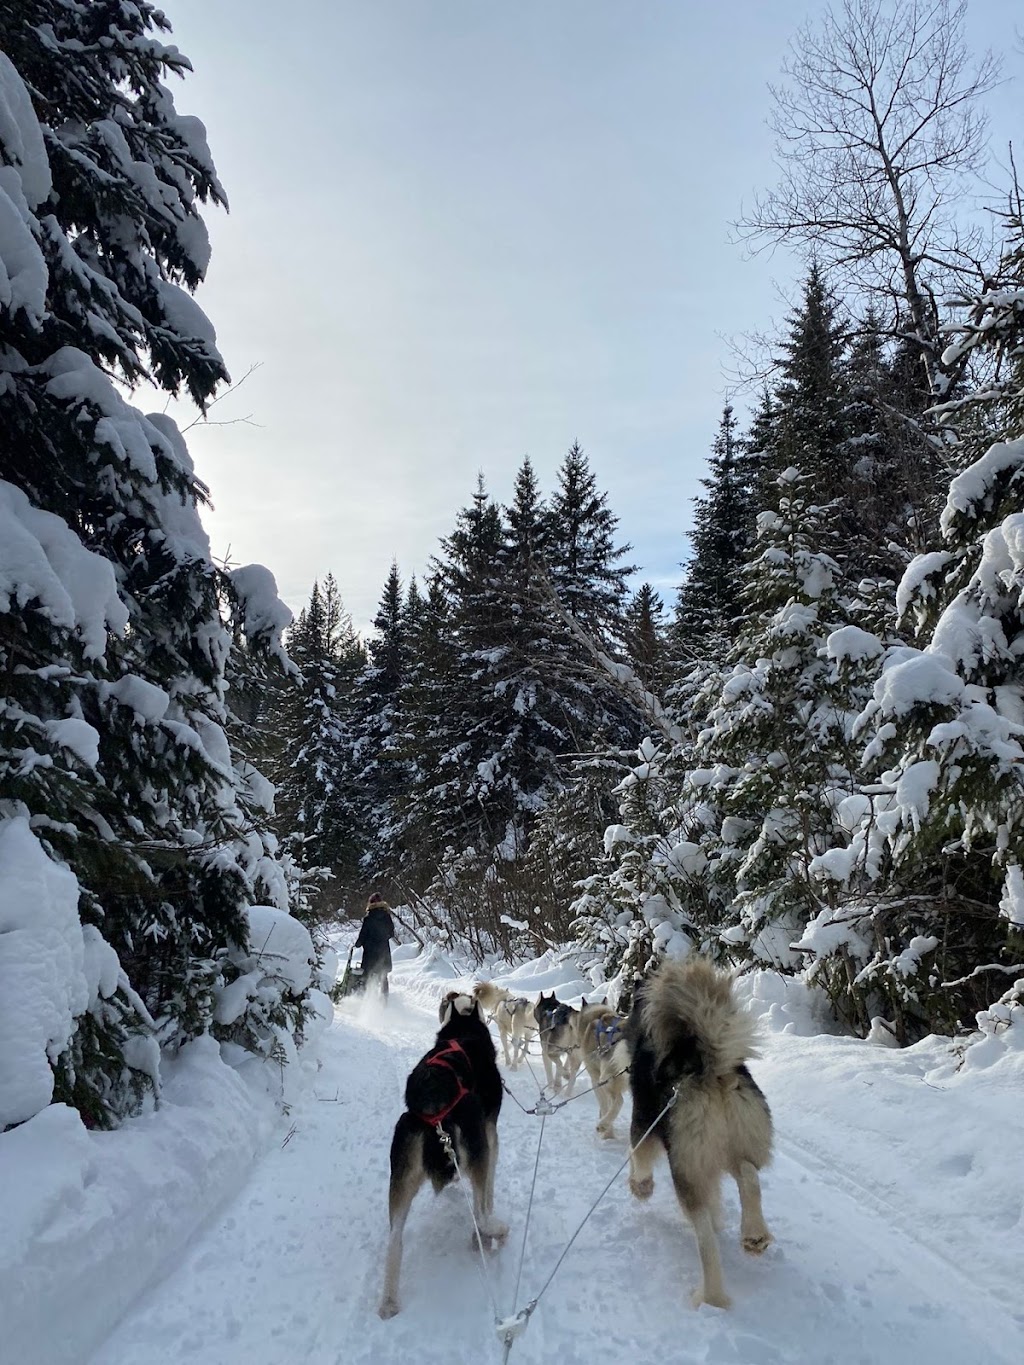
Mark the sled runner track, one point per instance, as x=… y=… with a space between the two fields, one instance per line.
x=803 y=1156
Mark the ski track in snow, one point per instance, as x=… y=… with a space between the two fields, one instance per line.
x=291 y=1270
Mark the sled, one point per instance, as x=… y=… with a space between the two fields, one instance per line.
x=351 y=982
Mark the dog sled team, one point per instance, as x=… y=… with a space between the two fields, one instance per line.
x=681 y=1053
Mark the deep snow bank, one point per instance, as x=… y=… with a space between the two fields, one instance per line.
x=90 y=1219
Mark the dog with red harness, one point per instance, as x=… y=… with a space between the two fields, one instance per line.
x=452 y=1101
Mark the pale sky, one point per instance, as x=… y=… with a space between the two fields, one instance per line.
x=464 y=231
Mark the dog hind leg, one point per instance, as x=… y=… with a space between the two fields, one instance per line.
x=550 y=1075
x=572 y=1066
x=403 y=1189
x=481 y=1175
x=613 y=1105
x=754 y=1234
x=712 y=1290
x=699 y=1205
x=518 y=1043
x=594 y=1072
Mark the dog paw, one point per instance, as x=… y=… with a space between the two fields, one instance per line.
x=755 y=1245
x=388 y=1308
x=700 y=1296
x=492 y=1236
x=641 y=1189
x=604 y=1131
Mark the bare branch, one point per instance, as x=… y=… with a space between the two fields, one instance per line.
x=879 y=138
x=203 y=419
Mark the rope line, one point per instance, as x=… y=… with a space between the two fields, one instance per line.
x=529 y=1210
x=546 y=1106
x=622 y=1165
x=509 y=1329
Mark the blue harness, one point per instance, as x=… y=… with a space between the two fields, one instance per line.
x=607 y=1034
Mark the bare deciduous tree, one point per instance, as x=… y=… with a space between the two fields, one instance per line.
x=880 y=138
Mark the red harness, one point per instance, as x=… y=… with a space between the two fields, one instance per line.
x=450 y=1048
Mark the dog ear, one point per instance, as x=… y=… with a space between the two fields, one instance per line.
x=445 y=1012
x=583 y=1002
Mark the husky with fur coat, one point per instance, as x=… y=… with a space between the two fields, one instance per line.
x=688 y=1037
x=514 y=1016
x=605 y=1054
x=559 y=1041
x=456 y=1087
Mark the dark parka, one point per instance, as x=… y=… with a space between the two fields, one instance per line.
x=375 y=935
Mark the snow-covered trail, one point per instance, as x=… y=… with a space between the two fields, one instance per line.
x=291 y=1270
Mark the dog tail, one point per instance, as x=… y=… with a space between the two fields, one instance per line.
x=694 y=1025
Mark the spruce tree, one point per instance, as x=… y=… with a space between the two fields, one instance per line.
x=491 y=734
x=320 y=797
x=707 y=608
x=645 y=638
x=809 y=419
x=117 y=627
x=584 y=562
x=940 y=849
x=383 y=773
x=894 y=469
x=457 y=792
x=776 y=755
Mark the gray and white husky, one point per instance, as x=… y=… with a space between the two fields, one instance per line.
x=688 y=1038
x=559 y=1041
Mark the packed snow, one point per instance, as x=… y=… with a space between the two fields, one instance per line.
x=224 y=1230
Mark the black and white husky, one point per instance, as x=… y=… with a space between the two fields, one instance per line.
x=454 y=1088
x=559 y=1041
x=688 y=1037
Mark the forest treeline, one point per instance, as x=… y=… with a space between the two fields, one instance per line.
x=829 y=777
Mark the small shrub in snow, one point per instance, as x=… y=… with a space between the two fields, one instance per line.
x=267 y=990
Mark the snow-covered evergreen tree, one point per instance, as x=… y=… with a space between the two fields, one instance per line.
x=707 y=615
x=123 y=816
x=775 y=757
x=584 y=562
x=937 y=855
x=890 y=456
x=502 y=703
x=648 y=894
x=320 y=795
x=646 y=638
x=809 y=421
x=383 y=772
